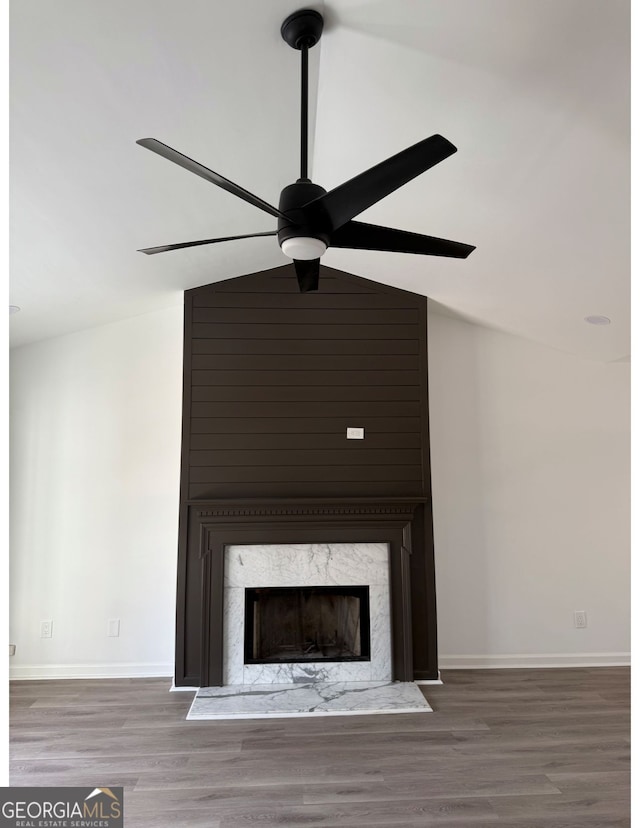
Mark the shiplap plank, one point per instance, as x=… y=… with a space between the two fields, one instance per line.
x=363 y=488
x=312 y=410
x=305 y=316
x=296 y=378
x=303 y=301
x=346 y=456
x=287 y=424
x=327 y=330
x=303 y=393
x=304 y=345
x=305 y=362
x=302 y=474
x=270 y=442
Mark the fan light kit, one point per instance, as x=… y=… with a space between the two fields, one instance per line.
x=303 y=247
x=310 y=219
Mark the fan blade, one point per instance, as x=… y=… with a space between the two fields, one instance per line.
x=351 y=198
x=307 y=273
x=361 y=236
x=209 y=175
x=165 y=247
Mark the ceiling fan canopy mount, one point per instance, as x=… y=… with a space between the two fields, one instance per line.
x=302 y=29
x=310 y=219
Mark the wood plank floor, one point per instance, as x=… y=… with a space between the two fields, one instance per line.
x=502 y=749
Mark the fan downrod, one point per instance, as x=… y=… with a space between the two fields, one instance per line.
x=302 y=28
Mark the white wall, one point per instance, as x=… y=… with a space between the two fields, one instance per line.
x=530 y=464
x=530 y=476
x=95 y=459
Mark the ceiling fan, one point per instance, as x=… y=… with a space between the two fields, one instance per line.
x=310 y=219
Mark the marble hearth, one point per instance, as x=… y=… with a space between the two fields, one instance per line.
x=313 y=699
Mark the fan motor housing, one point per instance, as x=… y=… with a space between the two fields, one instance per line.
x=300 y=222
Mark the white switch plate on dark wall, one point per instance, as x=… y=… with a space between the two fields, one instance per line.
x=355 y=433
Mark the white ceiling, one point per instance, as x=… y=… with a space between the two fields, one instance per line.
x=534 y=93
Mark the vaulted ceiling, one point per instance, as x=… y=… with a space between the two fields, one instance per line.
x=534 y=93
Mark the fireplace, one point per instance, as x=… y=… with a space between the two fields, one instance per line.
x=306 y=624
x=238 y=546
x=271 y=385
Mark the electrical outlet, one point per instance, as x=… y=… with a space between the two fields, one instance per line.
x=113 y=627
x=12 y=649
x=580 y=619
x=46 y=629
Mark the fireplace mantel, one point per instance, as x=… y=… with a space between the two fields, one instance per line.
x=214 y=525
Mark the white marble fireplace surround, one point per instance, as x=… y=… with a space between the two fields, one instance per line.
x=301 y=565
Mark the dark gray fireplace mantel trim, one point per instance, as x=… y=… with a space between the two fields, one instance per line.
x=356 y=521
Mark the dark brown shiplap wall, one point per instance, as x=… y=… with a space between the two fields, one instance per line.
x=272 y=380
x=277 y=376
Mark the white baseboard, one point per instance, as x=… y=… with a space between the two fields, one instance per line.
x=32 y=672
x=429 y=681
x=487 y=662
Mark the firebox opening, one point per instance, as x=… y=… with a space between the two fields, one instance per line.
x=290 y=624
